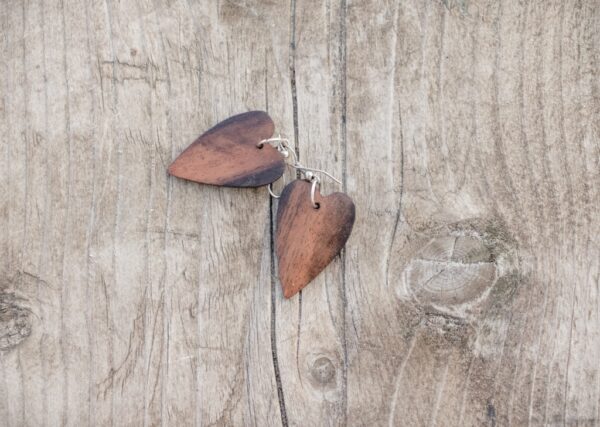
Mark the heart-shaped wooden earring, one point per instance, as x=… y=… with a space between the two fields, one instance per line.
x=311 y=230
x=232 y=154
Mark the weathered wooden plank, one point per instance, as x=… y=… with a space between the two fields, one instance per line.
x=310 y=326
x=377 y=340
x=29 y=369
x=465 y=131
x=158 y=142
x=486 y=155
x=37 y=273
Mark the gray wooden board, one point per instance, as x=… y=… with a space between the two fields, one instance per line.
x=466 y=131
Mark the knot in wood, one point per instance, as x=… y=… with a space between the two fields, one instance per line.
x=323 y=370
x=15 y=323
x=450 y=270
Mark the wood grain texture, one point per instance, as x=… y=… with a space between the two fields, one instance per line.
x=309 y=237
x=466 y=133
x=228 y=154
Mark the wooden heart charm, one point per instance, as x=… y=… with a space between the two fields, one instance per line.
x=308 y=238
x=228 y=155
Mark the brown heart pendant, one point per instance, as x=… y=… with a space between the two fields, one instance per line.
x=228 y=154
x=308 y=238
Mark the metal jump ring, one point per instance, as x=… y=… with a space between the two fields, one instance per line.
x=315 y=181
x=270 y=189
x=277 y=141
x=282 y=145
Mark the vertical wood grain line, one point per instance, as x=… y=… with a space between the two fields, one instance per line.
x=25 y=138
x=274 y=281
x=25 y=141
x=166 y=306
x=585 y=175
x=167 y=303
x=392 y=90
x=343 y=139
x=475 y=50
x=64 y=284
x=90 y=307
x=551 y=283
x=537 y=213
x=439 y=395
x=273 y=287
x=25 y=89
x=500 y=154
x=280 y=394
x=149 y=320
x=567 y=172
x=292 y=60
x=398 y=381
x=117 y=203
x=4 y=391
x=498 y=139
x=528 y=313
x=44 y=243
x=6 y=143
x=296 y=142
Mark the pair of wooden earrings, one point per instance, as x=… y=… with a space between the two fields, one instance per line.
x=241 y=152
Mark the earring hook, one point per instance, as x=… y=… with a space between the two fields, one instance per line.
x=305 y=169
x=283 y=146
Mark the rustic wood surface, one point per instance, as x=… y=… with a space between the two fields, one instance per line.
x=466 y=132
x=309 y=236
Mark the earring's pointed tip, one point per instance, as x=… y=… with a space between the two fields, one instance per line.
x=288 y=293
x=174 y=171
x=174 y=167
x=288 y=289
x=171 y=169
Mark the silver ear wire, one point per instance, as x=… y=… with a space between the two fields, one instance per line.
x=276 y=141
x=283 y=146
x=309 y=172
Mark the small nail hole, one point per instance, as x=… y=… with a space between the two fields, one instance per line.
x=317 y=205
x=260 y=146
